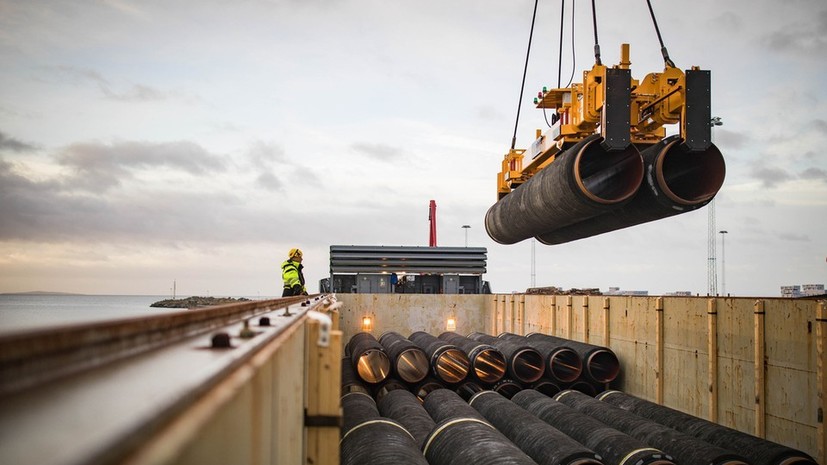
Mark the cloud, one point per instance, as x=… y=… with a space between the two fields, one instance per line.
x=383 y=152
x=770 y=176
x=131 y=93
x=13 y=145
x=270 y=182
x=814 y=173
x=793 y=237
x=800 y=37
x=819 y=125
x=730 y=139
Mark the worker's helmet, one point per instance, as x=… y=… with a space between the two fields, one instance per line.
x=294 y=253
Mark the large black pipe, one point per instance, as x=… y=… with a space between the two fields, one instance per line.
x=676 y=182
x=686 y=449
x=368 y=358
x=448 y=362
x=758 y=451
x=425 y=387
x=525 y=364
x=405 y=408
x=409 y=362
x=357 y=408
x=542 y=442
x=462 y=436
x=613 y=446
x=600 y=363
x=563 y=364
x=351 y=382
x=487 y=362
x=388 y=385
x=467 y=390
x=507 y=388
x=582 y=182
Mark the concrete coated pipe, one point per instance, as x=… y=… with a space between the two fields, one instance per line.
x=676 y=182
x=368 y=358
x=613 y=446
x=408 y=361
x=542 y=442
x=524 y=363
x=351 y=382
x=448 y=362
x=406 y=408
x=582 y=182
x=686 y=449
x=600 y=363
x=487 y=362
x=562 y=363
x=757 y=451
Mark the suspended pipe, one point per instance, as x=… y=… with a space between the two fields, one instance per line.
x=612 y=445
x=582 y=182
x=562 y=363
x=448 y=362
x=408 y=361
x=524 y=363
x=600 y=363
x=686 y=449
x=406 y=408
x=757 y=451
x=539 y=440
x=462 y=436
x=351 y=382
x=487 y=362
x=676 y=182
x=368 y=358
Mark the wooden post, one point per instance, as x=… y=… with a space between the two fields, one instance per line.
x=821 y=375
x=606 y=336
x=659 y=350
x=322 y=407
x=760 y=371
x=553 y=326
x=586 y=319
x=568 y=317
x=502 y=320
x=522 y=314
x=512 y=314
x=712 y=350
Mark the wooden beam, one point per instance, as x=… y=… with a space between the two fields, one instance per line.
x=659 y=350
x=712 y=350
x=606 y=335
x=760 y=371
x=322 y=401
x=821 y=374
x=568 y=317
x=553 y=326
x=586 y=319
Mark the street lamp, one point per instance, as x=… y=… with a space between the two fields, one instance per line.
x=466 y=227
x=711 y=267
x=723 y=262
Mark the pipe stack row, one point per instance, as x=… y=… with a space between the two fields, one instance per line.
x=469 y=364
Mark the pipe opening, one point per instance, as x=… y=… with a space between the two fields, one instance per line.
x=690 y=178
x=608 y=177
x=507 y=388
x=796 y=461
x=565 y=365
x=412 y=365
x=547 y=387
x=528 y=365
x=603 y=366
x=373 y=366
x=452 y=366
x=584 y=387
x=489 y=365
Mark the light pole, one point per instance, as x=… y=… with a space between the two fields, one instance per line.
x=723 y=262
x=711 y=267
x=466 y=227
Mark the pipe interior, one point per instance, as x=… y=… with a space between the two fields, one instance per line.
x=691 y=178
x=508 y=389
x=373 y=366
x=412 y=365
x=603 y=366
x=489 y=366
x=565 y=365
x=609 y=177
x=528 y=365
x=452 y=366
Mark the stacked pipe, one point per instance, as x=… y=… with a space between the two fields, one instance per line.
x=408 y=361
x=524 y=364
x=676 y=182
x=583 y=182
x=600 y=364
x=563 y=364
x=756 y=450
x=457 y=426
x=612 y=445
x=541 y=441
x=350 y=381
x=368 y=358
x=406 y=408
x=364 y=427
x=449 y=363
x=487 y=362
x=686 y=449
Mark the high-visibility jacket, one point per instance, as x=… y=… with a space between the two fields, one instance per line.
x=291 y=274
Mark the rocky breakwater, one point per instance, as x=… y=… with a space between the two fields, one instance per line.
x=196 y=301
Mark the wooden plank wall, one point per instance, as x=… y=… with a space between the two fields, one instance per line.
x=664 y=345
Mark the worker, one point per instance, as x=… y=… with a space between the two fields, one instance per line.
x=291 y=273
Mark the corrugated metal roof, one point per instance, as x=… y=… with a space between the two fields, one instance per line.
x=379 y=259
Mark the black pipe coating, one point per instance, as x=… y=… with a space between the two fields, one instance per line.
x=357 y=408
x=600 y=363
x=524 y=363
x=581 y=183
x=448 y=362
x=408 y=361
x=467 y=390
x=584 y=387
x=686 y=449
x=542 y=442
x=368 y=358
x=389 y=384
x=758 y=451
x=614 y=447
x=462 y=436
x=563 y=364
x=546 y=387
x=487 y=362
x=406 y=408
x=676 y=182
x=425 y=387
x=351 y=382
x=507 y=388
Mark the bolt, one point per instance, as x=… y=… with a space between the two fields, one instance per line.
x=221 y=341
x=264 y=321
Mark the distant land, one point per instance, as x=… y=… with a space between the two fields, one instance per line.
x=39 y=293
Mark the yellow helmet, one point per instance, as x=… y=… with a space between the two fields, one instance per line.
x=294 y=253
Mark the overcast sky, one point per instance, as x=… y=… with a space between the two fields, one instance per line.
x=143 y=142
